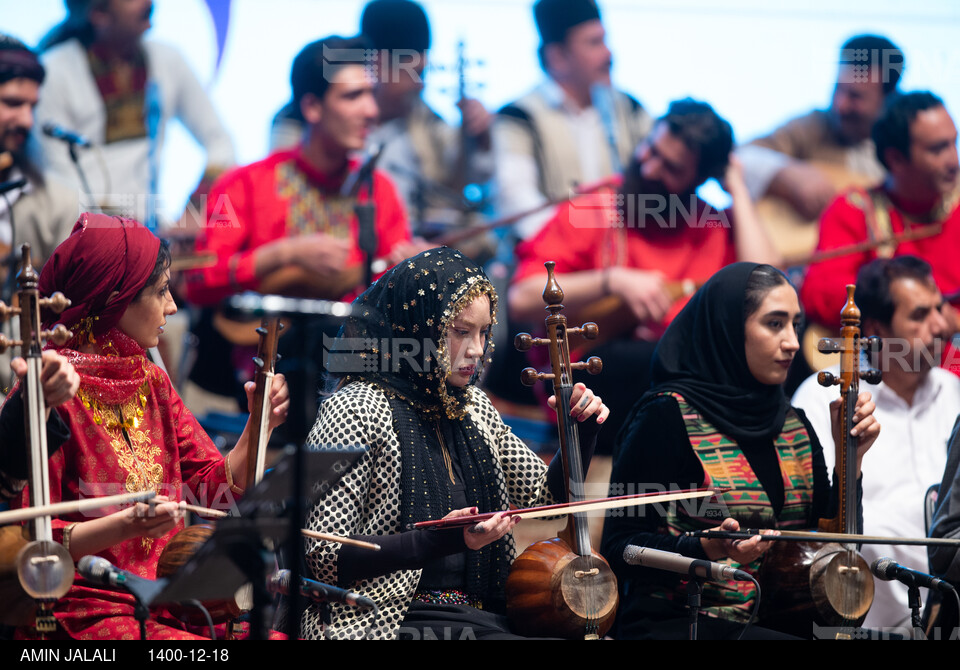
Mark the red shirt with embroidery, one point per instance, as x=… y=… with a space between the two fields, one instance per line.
x=843 y=223
x=585 y=234
x=283 y=196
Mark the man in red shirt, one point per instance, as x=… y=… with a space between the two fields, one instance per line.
x=286 y=212
x=917 y=143
x=283 y=225
x=641 y=251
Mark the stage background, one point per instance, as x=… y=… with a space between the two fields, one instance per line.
x=757 y=62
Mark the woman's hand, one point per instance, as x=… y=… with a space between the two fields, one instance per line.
x=741 y=551
x=584 y=404
x=58 y=379
x=486 y=532
x=151 y=519
x=279 y=399
x=865 y=424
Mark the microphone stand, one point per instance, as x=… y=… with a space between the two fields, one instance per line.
x=366 y=230
x=365 y=211
x=694 y=592
x=913 y=598
x=72 y=149
x=141 y=614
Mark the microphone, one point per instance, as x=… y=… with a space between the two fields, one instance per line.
x=101 y=571
x=357 y=178
x=684 y=565
x=887 y=569
x=319 y=593
x=51 y=129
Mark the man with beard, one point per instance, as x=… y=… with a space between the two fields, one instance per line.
x=786 y=163
x=630 y=259
x=41 y=212
x=917 y=403
x=115 y=88
x=916 y=141
x=572 y=129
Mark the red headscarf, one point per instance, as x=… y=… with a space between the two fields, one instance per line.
x=103 y=254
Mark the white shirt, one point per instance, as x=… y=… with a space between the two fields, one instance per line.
x=518 y=175
x=119 y=173
x=908 y=456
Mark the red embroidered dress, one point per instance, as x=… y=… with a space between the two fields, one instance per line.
x=129 y=432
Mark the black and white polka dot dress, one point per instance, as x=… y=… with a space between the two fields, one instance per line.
x=366 y=500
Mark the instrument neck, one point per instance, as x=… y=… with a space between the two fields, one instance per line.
x=572 y=469
x=260 y=416
x=35 y=416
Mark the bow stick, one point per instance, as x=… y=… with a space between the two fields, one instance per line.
x=73 y=506
x=807 y=536
x=560 y=509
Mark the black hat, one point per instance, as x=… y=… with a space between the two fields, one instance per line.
x=17 y=60
x=395 y=24
x=555 y=17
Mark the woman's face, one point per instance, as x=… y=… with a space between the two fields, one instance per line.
x=147 y=315
x=771 y=335
x=466 y=340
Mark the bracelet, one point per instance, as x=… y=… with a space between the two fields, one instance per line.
x=233 y=487
x=66 y=535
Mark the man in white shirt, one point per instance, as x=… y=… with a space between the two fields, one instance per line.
x=117 y=90
x=571 y=130
x=917 y=402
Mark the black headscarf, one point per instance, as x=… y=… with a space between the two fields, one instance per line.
x=702 y=356
x=408 y=311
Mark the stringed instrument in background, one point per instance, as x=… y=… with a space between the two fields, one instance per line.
x=294 y=281
x=562 y=587
x=793 y=235
x=830 y=584
x=615 y=319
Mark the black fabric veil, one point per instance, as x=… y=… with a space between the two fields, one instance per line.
x=398 y=342
x=702 y=357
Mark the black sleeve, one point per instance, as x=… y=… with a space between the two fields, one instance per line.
x=412 y=550
x=409 y=550
x=946 y=520
x=13 y=441
x=652 y=453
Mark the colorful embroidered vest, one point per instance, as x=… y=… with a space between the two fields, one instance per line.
x=725 y=465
